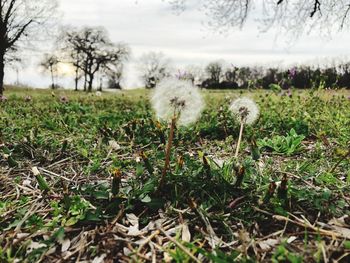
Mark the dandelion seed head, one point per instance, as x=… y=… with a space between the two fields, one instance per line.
x=179 y=96
x=27 y=98
x=64 y=99
x=246 y=109
x=98 y=93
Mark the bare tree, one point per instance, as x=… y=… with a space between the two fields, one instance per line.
x=114 y=74
x=153 y=68
x=294 y=16
x=214 y=71
x=68 y=45
x=91 y=51
x=195 y=73
x=18 y=20
x=50 y=64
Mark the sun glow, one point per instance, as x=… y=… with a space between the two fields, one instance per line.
x=65 y=69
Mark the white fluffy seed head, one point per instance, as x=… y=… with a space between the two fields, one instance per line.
x=250 y=105
x=169 y=90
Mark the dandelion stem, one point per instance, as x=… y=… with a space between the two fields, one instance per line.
x=338 y=163
x=239 y=138
x=168 y=151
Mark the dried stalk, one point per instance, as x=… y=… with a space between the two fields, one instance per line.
x=239 y=139
x=168 y=152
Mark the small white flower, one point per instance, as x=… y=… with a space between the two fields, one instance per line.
x=98 y=93
x=247 y=105
x=177 y=96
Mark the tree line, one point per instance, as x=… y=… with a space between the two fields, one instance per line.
x=91 y=53
x=217 y=75
x=300 y=77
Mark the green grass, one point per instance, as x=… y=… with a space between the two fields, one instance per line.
x=100 y=160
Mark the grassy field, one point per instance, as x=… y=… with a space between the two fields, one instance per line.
x=79 y=177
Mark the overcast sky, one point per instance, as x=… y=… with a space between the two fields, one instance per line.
x=150 y=25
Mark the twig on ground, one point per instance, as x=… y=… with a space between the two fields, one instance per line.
x=179 y=245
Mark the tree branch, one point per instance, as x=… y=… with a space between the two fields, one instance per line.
x=317 y=8
x=9 y=11
x=344 y=17
x=19 y=33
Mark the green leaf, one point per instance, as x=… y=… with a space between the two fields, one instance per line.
x=101 y=195
x=5 y=150
x=347 y=244
x=12 y=162
x=146 y=199
x=71 y=221
x=43 y=186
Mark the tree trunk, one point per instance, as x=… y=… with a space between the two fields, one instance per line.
x=100 y=89
x=76 y=82
x=2 y=72
x=85 y=81
x=77 y=74
x=52 y=78
x=91 y=80
x=76 y=78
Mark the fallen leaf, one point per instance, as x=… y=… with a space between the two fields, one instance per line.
x=345 y=232
x=35 y=171
x=134 y=231
x=126 y=251
x=65 y=245
x=267 y=244
x=167 y=257
x=99 y=259
x=26 y=182
x=133 y=219
x=244 y=236
x=185 y=235
x=339 y=221
x=34 y=245
x=291 y=239
x=114 y=145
